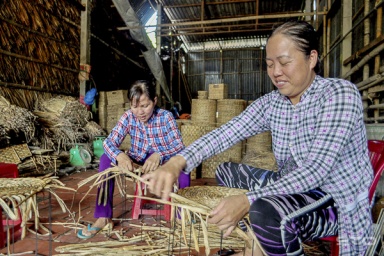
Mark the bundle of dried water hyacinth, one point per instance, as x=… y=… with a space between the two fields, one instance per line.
x=19 y=196
x=193 y=214
x=63 y=118
x=94 y=129
x=16 y=119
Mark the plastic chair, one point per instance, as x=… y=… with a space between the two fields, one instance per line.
x=376 y=155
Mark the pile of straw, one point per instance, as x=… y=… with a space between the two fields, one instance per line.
x=63 y=119
x=14 y=119
x=94 y=129
x=40 y=48
x=20 y=195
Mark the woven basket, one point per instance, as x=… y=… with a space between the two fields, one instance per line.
x=20 y=186
x=204 y=112
x=102 y=98
x=14 y=154
x=190 y=133
x=202 y=95
x=228 y=109
x=209 y=196
x=233 y=154
x=102 y=109
x=218 y=91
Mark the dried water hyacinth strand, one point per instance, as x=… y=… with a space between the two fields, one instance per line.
x=17 y=119
x=185 y=204
x=21 y=194
x=158 y=246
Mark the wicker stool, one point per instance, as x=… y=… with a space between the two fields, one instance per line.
x=139 y=206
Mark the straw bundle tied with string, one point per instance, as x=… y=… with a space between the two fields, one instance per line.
x=190 y=211
x=20 y=194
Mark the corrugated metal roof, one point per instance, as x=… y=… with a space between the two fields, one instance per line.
x=144 y=9
x=243 y=23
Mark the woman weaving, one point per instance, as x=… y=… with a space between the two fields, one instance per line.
x=320 y=145
x=154 y=139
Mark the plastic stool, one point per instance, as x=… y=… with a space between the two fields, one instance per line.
x=8 y=171
x=139 y=204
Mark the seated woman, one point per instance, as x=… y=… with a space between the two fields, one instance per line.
x=155 y=138
x=320 y=145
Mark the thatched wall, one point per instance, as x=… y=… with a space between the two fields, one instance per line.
x=40 y=48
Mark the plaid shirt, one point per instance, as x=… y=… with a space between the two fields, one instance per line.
x=319 y=142
x=160 y=135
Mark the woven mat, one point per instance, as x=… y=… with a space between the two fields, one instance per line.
x=14 y=154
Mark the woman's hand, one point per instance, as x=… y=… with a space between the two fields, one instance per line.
x=161 y=181
x=151 y=163
x=229 y=212
x=124 y=162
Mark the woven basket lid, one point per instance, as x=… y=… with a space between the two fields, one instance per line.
x=209 y=195
x=20 y=186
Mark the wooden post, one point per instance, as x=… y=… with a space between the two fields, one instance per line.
x=376 y=112
x=366 y=66
x=379 y=19
x=158 y=50
x=85 y=53
x=327 y=38
x=346 y=47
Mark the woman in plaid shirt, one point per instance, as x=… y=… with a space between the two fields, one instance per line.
x=155 y=138
x=320 y=145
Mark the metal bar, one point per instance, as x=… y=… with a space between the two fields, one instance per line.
x=253 y=17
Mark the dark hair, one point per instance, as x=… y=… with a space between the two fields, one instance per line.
x=304 y=35
x=142 y=87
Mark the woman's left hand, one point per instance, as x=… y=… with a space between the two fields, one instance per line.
x=229 y=212
x=152 y=163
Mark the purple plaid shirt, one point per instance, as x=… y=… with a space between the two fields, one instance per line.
x=318 y=143
x=160 y=135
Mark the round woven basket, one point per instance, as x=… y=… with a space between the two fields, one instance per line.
x=202 y=94
x=228 y=109
x=209 y=196
x=233 y=154
x=190 y=133
x=102 y=98
x=204 y=111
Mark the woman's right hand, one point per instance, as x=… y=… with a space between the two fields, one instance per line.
x=124 y=162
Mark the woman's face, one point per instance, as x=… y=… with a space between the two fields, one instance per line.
x=143 y=108
x=290 y=70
